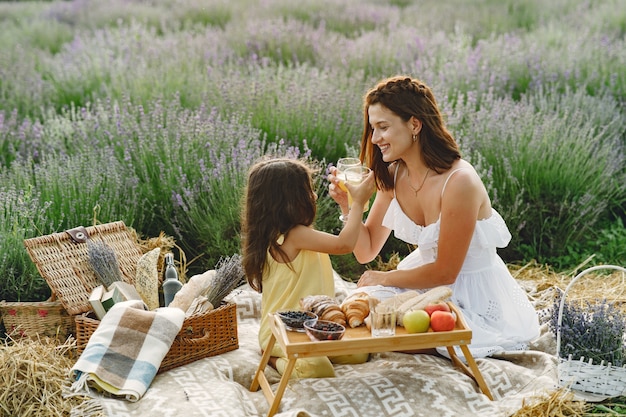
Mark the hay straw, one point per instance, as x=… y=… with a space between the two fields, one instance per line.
x=33 y=374
x=166 y=244
x=390 y=265
x=603 y=284
x=559 y=403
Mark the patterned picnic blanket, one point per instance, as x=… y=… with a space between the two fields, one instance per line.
x=389 y=384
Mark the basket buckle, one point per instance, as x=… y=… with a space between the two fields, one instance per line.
x=78 y=234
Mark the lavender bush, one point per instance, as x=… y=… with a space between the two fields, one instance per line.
x=152 y=113
x=550 y=160
x=22 y=215
x=591 y=330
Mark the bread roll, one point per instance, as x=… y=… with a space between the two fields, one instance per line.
x=196 y=286
x=147 y=278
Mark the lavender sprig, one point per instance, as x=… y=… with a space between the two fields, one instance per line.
x=228 y=275
x=593 y=330
x=103 y=260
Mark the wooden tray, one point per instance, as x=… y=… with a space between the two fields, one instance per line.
x=359 y=340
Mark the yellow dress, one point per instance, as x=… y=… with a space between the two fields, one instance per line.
x=283 y=287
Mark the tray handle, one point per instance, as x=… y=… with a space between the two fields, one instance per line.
x=562 y=304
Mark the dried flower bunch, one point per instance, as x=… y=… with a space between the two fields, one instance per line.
x=591 y=329
x=103 y=260
x=228 y=275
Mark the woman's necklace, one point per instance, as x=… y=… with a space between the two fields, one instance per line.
x=416 y=190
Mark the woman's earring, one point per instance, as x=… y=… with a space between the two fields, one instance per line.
x=414 y=138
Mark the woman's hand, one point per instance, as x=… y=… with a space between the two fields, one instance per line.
x=362 y=192
x=335 y=192
x=372 y=278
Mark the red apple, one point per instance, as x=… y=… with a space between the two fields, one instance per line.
x=441 y=306
x=442 y=321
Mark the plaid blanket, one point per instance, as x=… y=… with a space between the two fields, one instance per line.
x=124 y=353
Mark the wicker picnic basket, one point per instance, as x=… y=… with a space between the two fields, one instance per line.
x=581 y=375
x=35 y=319
x=202 y=335
x=62 y=260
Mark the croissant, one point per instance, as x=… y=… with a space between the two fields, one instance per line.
x=356 y=308
x=325 y=307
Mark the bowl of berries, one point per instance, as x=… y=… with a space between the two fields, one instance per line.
x=323 y=330
x=294 y=319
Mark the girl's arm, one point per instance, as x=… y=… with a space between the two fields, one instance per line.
x=303 y=237
x=462 y=200
x=373 y=234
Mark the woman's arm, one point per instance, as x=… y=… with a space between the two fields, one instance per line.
x=464 y=196
x=373 y=234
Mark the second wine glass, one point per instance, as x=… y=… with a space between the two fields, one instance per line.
x=342 y=165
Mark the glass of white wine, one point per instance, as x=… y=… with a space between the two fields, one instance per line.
x=342 y=165
x=355 y=175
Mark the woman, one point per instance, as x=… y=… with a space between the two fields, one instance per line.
x=430 y=197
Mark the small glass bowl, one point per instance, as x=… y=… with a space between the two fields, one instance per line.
x=324 y=330
x=294 y=319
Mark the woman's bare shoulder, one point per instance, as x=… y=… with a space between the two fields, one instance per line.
x=465 y=186
x=464 y=172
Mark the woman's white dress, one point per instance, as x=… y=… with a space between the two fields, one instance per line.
x=493 y=304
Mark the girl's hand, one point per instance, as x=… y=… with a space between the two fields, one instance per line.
x=335 y=192
x=372 y=278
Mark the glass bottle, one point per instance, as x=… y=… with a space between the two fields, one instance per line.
x=171 y=284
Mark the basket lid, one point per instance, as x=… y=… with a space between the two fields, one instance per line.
x=62 y=260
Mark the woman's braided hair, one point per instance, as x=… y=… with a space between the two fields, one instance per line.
x=409 y=97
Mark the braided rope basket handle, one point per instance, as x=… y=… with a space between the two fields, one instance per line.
x=562 y=304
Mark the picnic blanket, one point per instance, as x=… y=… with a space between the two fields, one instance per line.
x=389 y=384
x=124 y=353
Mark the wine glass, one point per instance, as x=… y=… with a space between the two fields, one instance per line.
x=354 y=175
x=342 y=165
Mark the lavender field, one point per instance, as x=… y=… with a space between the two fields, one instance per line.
x=151 y=112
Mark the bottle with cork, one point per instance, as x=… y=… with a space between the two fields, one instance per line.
x=171 y=284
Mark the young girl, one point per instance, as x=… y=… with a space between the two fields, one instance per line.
x=284 y=257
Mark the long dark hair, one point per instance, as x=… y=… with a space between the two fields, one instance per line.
x=279 y=196
x=408 y=97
